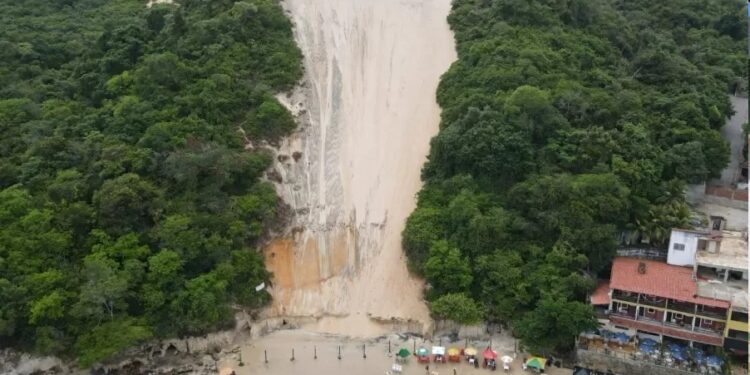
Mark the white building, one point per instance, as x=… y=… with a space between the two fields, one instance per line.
x=725 y=252
x=684 y=244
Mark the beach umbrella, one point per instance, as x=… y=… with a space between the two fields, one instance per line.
x=438 y=350
x=423 y=352
x=621 y=337
x=536 y=362
x=506 y=359
x=714 y=361
x=453 y=352
x=699 y=356
x=470 y=351
x=403 y=353
x=673 y=346
x=678 y=354
x=647 y=348
x=489 y=354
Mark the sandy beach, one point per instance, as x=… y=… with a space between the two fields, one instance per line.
x=350 y=174
x=278 y=350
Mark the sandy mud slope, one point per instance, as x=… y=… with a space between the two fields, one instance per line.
x=367 y=111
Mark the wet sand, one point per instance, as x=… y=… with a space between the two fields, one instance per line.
x=279 y=349
x=350 y=174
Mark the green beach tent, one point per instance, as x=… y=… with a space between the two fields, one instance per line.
x=536 y=362
x=403 y=353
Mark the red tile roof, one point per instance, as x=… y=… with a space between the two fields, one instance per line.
x=601 y=294
x=660 y=279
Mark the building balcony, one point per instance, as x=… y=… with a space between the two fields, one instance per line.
x=623 y=314
x=710 y=337
x=653 y=302
x=689 y=308
x=632 y=298
x=644 y=300
x=683 y=307
x=650 y=320
x=713 y=313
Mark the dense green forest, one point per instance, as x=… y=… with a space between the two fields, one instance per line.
x=128 y=203
x=564 y=125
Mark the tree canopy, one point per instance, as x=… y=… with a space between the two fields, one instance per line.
x=565 y=124
x=129 y=205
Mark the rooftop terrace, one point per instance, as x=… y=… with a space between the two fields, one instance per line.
x=735 y=291
x=732 y=253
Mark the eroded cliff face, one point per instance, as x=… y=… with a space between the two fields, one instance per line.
x=367 y=112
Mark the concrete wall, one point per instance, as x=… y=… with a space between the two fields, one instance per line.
x=736 y=201
x=682 y=257
x=622 y=366
x=694 y=193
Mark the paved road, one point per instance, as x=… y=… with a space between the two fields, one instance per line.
x=732 y=132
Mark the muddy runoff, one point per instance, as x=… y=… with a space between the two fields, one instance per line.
x=366 y=112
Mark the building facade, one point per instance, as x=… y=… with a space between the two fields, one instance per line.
x=699 y=295
x=655 y=298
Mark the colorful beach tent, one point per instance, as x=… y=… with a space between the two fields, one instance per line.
x=453 y=351
x=403 y=353
x=438 y=350
x=536 y=362
x=489 y=354
x=470 y=351
x=422 y=352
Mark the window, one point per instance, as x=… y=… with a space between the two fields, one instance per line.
x=737 y=334
x=650 y=311
x=735 y=275
x=679 y=246
x=739 y=316
x=717 y=222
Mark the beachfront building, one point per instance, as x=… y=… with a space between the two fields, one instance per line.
x=695 y=296
x=720 y=269
x=735 y=335
x=699 y=295
x=656 y=299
